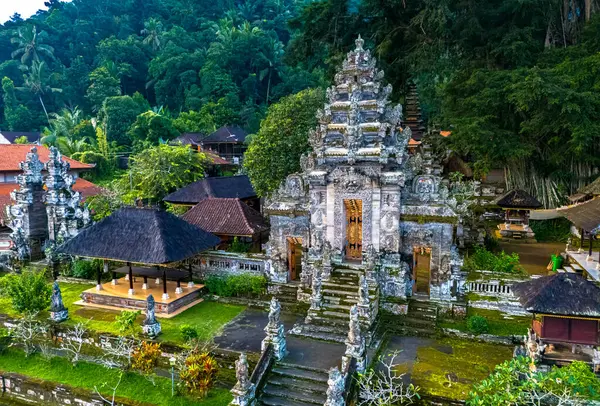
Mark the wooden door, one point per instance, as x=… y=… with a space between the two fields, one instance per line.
x=353 y=244
x=421 y=269
x=294 y=254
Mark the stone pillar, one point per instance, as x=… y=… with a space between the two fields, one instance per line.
x=58 y=311
x=145 y=284
x=364 y=302
x=275 y=331
x=191 y=281
x=150 y=326
x=165 y=295
x=130 y=278
x=355 y=343
x=244 y=391
x=335 y=388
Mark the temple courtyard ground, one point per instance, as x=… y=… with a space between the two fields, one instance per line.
x=534 y=257
x=444 y=367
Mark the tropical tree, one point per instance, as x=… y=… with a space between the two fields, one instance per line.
x=37 y=81
x=30 y=46
x=16 y=115
x=159 y=170
x=62 y=124
x=69 y=146
x=103 y=84
x=153 y=30
x=275 y=151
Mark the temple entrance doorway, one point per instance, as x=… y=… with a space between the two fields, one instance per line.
x=421 y=270
x=353 y=240
x=294 y=254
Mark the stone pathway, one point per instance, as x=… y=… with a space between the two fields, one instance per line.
x=246 y=331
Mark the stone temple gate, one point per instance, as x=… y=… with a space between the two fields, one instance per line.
x=362 y=202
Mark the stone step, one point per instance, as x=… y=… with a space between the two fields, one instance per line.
x=417 y=322
x=337 y=307
x=299 y=372
x=339 y=315
x=295 y=394
x=347 y=271
x=322 y=336
x=339 y=300
x=289 y=382
x=328 y=321
x=270 y=400
x=322 y=328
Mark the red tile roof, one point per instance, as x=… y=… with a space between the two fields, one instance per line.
x=85 y=187
x=13 y=154
x=445 y=133
x=226 y=216
x=214 y=158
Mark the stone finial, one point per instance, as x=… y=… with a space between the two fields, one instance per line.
x=58 y=311
x=150 y=325
x=335 y=388
x=275 y=331
x=359 y=42
x=363 y=292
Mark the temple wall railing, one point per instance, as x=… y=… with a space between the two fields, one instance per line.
x=490 y=288
x=228 y=263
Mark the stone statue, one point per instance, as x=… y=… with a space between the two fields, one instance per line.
x=241 y=372
x=150 y=325
x=363 y=292
x=275 y=331
x=316 y=296
x=335 y=388
x=244 y=391
x=58 y=311
x=354 y=334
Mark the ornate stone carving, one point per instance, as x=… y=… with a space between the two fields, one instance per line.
x=58 y=311
x=355 y=343
x=275 y=331
x=150 y=326
x=317 y=297
x=335 y=388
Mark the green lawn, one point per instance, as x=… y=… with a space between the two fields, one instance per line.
x=500 y=324
x=208 y=317
x=86 y=376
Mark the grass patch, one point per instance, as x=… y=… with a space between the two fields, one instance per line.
x=86 y=376
x=451 y=366
x=498 y=323
x=207 y=317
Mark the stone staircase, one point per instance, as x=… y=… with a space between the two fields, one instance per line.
x=420 y=319
x=286 y=293
x=340 y=293
x=294 y=385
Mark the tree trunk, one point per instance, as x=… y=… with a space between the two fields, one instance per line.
x=269 y=85
x=44 y=107
x=588 y=10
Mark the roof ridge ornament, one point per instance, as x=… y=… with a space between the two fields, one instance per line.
x=359 y=43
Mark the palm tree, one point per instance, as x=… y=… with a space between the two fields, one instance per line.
x=36 y=82
x=272 y=55
x=30 y=46
x=153 y=29
x=64 y=123
x=69 y=146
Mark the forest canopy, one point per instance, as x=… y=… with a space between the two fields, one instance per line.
x=516 y=81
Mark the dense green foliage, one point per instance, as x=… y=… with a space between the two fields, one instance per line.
x=514 y=383
x=275 y=150
x=484 y=260
x=556 y=230
x=477 y=324
x=236 y=285
x=157 y=171
x=85 y=269
x=29 y=291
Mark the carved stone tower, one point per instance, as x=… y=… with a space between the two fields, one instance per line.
x=27 y=216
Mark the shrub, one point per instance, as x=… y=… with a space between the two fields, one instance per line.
x=482 y=259
x=199 y=373
x=556 y=230
x=236 y=285
x=239 y=246
x=145 y=358
x=29 y=291
x=188 y=332
x=477 y=325
x=85 y=269
x=125 y=321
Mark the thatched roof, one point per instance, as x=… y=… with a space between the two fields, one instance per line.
x=226 y=216
x=563 y=294
x=584 y=215
x=593 y=189
x=517 y=199
x=220 y=187
x=142 y=236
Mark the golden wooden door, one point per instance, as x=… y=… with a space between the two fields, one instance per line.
x=353 y=228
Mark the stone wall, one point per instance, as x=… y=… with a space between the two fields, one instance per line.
x=222 y=263
x=33 y=391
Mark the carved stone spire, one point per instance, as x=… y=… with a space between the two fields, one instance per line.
x=27 y=217
x=66 y=216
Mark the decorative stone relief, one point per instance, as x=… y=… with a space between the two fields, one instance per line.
x=355 y=343
x=335 y=388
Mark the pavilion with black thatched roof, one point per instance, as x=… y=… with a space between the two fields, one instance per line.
x=517 y=205
x=565 y=306
x=156 y=240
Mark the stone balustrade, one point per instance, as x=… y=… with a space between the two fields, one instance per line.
x=222 y=262
x=490 y=288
